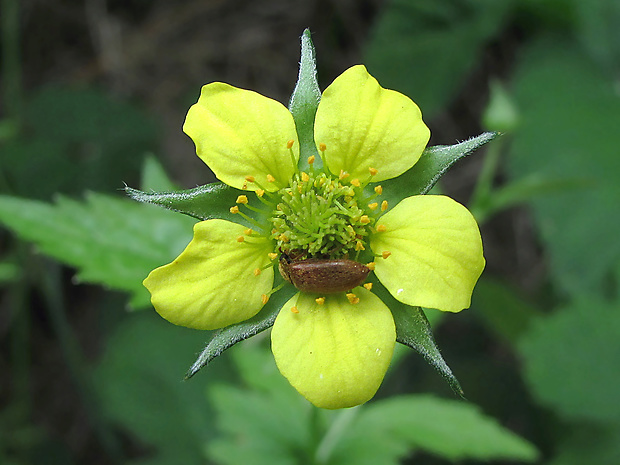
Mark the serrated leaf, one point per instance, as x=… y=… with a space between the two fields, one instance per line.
x=112 y=241
x=451 y=429
x=571 y=357
x=433 y=164
x=305 y=101
x=229 y=336
x=414 y=331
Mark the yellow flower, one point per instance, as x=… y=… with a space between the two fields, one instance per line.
x=334 y=348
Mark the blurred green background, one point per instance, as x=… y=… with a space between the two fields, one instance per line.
x=94 y=95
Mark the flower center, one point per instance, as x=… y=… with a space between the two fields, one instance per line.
x=319 y=216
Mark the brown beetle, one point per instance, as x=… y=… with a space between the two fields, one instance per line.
x=323 y=276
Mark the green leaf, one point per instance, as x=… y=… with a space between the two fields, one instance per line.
x=426 y=48
x=305 y=101
x=139 y=384
x=571 y=113
x=414 y=331
x=454 y=430
x=433 y=164
x=229 y=336
x=113 y=242
x=571 y=360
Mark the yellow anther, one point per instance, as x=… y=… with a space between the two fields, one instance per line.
x=234 y=209
x=381 y=228
x=240 y=239
x=356 y=182
x=300 y=187
x=320 y=300
x=248 y=232
x=270 y=178
x=348 y=198
x=373 y=206
x=353 y=298
x=311 y=159
x=242 y=199
x=384 y=205
x=359 y=246
x=272 y=255
x=378 y=190
x=322 y=147
x=260 y=192
x=368 y=286
x=256 y=271
x=289 y=144
x=371 y=266
x=249 y=178
x=264 y=298
x=364 y=219
x=283 y=237
x=343 y=175
x=305 y=177
x=385 y=254
x=373 y=171
x=294 y=309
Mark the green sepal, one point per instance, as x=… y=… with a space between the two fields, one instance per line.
x=227 y=337
x=431 y=166
x=202 y=202
x=305 y=101
x=414 y=330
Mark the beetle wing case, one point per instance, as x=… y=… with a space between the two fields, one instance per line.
x=323 y=276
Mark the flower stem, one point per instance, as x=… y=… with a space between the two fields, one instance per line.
x=334 y=433
x=480 y=198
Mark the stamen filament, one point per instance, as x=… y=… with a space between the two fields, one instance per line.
x=235 y=210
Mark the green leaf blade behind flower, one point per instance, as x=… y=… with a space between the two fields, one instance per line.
x=414 y=331
x=305 y=100
x=433 y=164
x=111 y=241
x=447 y=428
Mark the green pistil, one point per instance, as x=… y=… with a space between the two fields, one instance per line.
x=320 y=217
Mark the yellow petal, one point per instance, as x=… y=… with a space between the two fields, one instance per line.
x=335 y=354
x=212 y=283
x=240 y=133
x=366 y=126
x=436 y=252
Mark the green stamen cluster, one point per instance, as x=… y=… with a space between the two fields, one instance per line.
x=317 y=216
